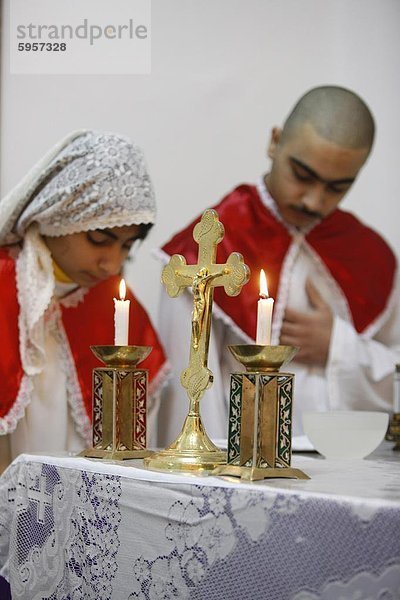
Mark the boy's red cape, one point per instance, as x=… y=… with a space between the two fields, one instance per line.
x=91 y=322
x=356 y=256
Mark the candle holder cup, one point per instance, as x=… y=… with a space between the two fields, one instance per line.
x=260 y=415
x=119 y=396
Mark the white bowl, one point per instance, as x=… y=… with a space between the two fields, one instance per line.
x=345 y=434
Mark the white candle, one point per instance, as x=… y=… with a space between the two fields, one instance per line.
x=121 y=317
x=396 y=390
x=264 y=313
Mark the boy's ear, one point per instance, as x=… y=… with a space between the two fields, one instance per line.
x=274 y=141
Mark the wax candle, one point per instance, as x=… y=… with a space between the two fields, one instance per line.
x=396 y=390
x=264 y=313
x=121 y=317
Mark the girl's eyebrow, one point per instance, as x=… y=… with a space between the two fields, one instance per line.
x=108 y=233
x=112 y=235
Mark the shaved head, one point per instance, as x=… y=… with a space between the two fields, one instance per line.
x=336 y=114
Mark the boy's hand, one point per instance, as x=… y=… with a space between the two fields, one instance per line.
x=310 y=331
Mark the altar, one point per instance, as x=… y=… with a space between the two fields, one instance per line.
x=74 y=527
x=192 y=520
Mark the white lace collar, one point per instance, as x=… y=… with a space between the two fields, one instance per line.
x=74 y=297
x=62 y=288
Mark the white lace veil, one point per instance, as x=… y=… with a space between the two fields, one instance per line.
x=89 y=180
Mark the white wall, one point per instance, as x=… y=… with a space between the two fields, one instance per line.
x=223 y=73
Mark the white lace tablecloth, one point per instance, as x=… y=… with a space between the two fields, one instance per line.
x=74 y=528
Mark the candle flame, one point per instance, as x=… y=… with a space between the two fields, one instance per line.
x=263 y=285
x=122 y=289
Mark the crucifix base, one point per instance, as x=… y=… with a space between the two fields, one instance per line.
x=192 y=451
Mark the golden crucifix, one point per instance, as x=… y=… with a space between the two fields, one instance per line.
x=193 y=450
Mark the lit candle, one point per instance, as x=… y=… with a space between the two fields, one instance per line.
x=121 y=317
x=264 y=313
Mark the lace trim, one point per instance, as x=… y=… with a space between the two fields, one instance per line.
x=270 y=204
x=135 y=218
x=9 y=423
x=74 y=393
x=74 y=298
x=283 y=288
x=288 y=262
x=35 y=287
x=284 y=284
x=334 y=288
x=376 y=325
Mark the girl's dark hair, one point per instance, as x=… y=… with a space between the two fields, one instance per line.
x=144 y=229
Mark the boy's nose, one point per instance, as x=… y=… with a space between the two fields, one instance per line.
x=313 y=200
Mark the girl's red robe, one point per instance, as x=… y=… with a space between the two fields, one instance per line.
x=90 y=322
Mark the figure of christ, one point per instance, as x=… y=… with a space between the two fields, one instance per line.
x=199 y=286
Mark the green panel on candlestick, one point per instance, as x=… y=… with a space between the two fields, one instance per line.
x=272 y=447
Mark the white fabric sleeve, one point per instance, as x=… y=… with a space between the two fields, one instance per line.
x=360 y=369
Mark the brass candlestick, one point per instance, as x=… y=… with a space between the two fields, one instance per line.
x=119 y=403
x=260 y=416
x=393 y=433
x=193 y=450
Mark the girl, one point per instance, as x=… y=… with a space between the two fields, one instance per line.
x=65 y=231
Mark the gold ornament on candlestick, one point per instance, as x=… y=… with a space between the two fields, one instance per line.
x=119 y=403
x=193 y=450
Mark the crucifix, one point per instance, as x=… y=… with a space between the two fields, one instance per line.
x=193 y=450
